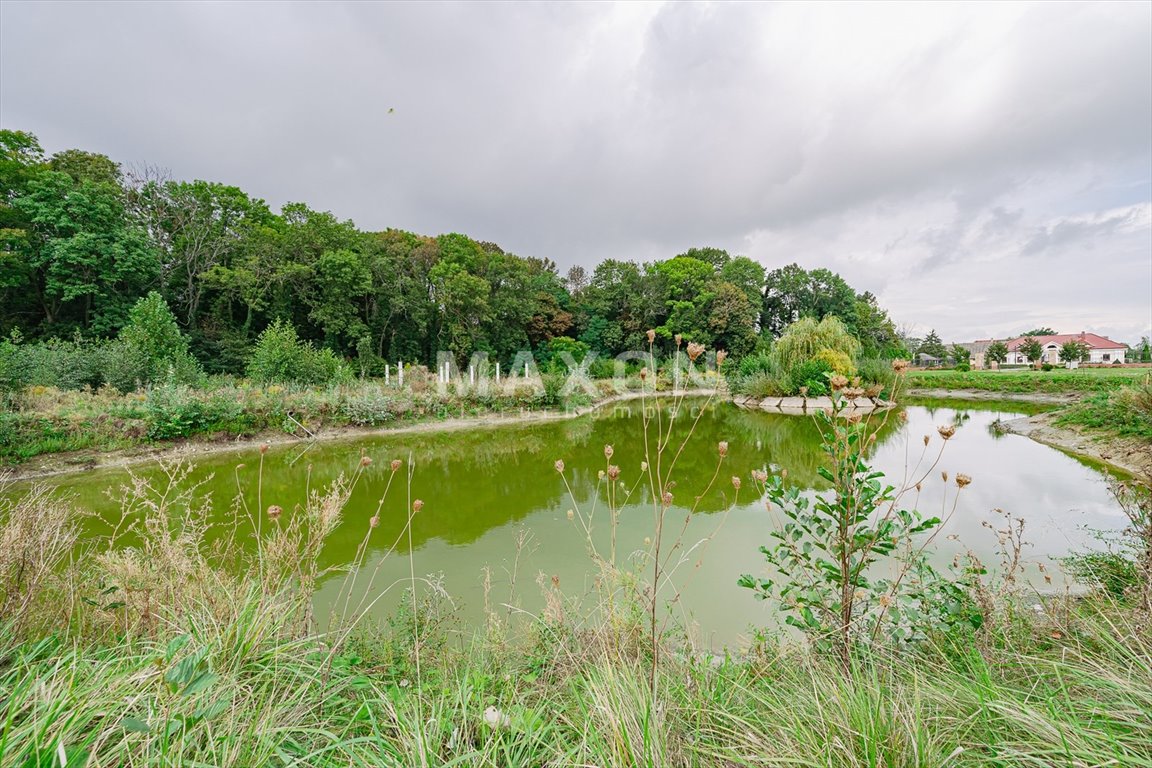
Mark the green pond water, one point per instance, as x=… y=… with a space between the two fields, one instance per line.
x=487 y=487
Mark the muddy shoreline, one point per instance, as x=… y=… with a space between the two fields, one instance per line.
x=1129 y=455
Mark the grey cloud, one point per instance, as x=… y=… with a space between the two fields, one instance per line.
x=896 y=143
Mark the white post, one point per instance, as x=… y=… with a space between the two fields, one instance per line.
x=400 y=369
x=471 y=375
x=447 y=372
x=497 y=373
x=387 y=378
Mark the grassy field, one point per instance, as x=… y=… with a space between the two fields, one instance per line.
x=1065 y=689
x=1060 y=380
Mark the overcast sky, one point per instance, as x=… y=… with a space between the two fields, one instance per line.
x=982 y=168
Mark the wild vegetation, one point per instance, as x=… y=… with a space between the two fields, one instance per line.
x=154 y=648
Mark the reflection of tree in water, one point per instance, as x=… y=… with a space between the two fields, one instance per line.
x=476 y=480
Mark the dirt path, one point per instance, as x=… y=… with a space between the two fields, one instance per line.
x=1131 y=455
x=91 y=460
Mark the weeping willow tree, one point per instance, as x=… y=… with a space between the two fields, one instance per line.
x=806 y=338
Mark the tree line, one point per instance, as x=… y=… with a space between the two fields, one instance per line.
x=82 y=241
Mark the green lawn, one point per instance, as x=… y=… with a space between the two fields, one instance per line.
x=1022 y=380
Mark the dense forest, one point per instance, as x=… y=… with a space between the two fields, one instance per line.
x=82 y=240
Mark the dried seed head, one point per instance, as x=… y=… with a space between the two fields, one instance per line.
x=608 y=451
x=417 y=505
x=904 y=417
x=643 y=373
x=721 y=356
x=838 y=382
x=241 y=465
x=899 y=365
x=365 y=461
x=559 y=465
x=759 y=475
x=555 y=581
x=946 y=431
x=374 y=521
x=643 y=466
x=918 y=486
x=694 y=350
x=571 y=514
x=736 y=482
x=963 y=480
x=613 y=471
x=275 y=511
x=874 y=390
x=600 y=474
x=722 y=448
x=927 y=439
x=651 y=335
x=678 y=339
x=944 y=475
x=854 y=418
x=263 y=448
x=784 y=474
x=647 y=540
x=853 y=392
x=396 y=464
x=667 y=499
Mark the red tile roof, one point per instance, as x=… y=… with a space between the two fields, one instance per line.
x=1091 y=339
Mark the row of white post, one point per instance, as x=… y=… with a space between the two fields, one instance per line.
x=399 y=374
x=444 y=374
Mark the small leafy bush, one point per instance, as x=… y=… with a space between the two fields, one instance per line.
x=177 y=411
x=369 y=409
x=281 y=357
x=812 y=374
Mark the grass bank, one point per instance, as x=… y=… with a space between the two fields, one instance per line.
x=45 y=420
x=1058 y=381
x=1071 y=687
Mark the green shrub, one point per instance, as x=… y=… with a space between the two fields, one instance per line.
x=877 y=371
x=766 y=385
x=368 y=409
x=70 y=364
x=754 y=364
x=1045 y=367
x=153 y=341
x=125 y=366
x=177 y=411
x=280 y=357
x=812 y=374
x=962 y=367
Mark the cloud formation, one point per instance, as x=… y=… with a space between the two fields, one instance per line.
x=982 y=168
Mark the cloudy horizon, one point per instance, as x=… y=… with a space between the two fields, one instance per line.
x=981 y=168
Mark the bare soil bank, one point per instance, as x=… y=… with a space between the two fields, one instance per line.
x=1130 y=454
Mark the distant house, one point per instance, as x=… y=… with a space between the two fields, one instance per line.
x=1100 y=348
x=976 y=350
